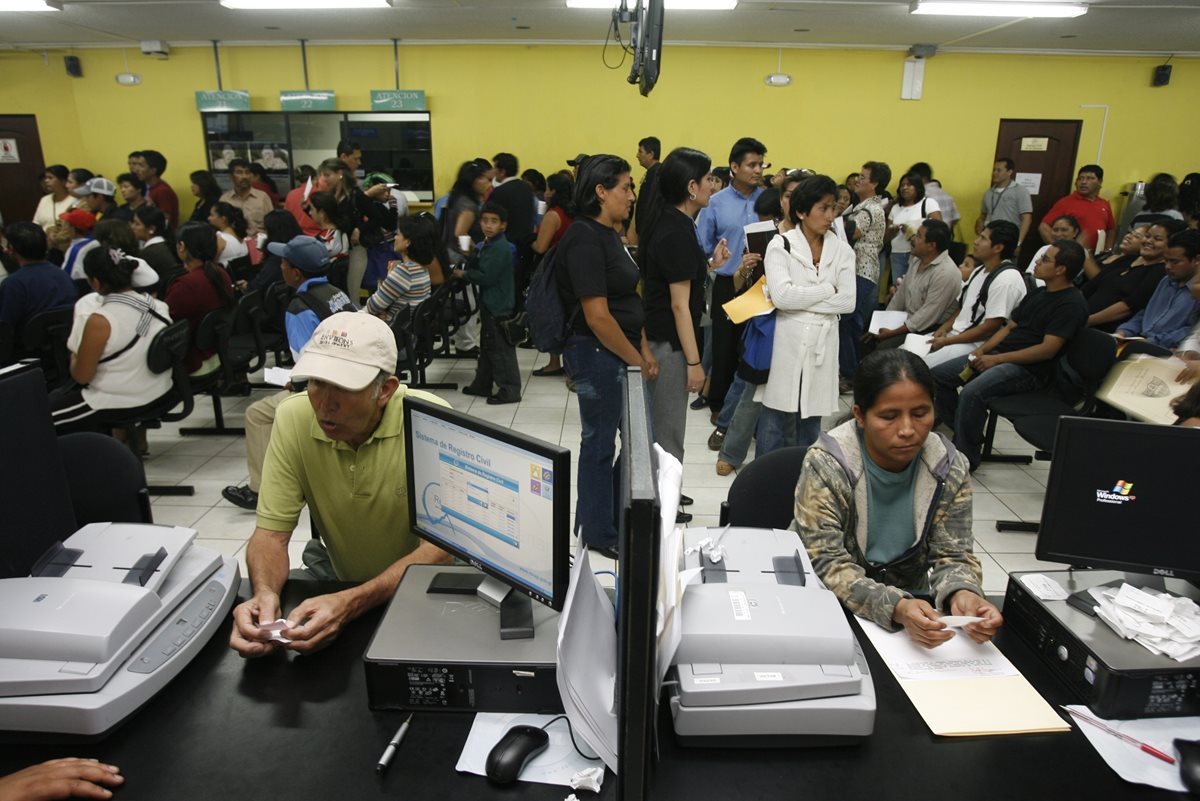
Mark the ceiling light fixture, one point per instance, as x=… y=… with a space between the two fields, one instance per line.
x=996 y=8
x=670 y=5
x=302 y=5
x=30 y=5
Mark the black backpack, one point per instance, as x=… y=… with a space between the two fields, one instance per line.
x=981 y=301
x=545 y=315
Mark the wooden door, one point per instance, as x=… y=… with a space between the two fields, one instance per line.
x=21 y=167
x=1047 y=149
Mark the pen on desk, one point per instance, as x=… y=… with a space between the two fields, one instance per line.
x=392 y=745
x=1149 y=749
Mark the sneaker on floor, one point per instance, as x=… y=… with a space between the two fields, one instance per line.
x=473 y=353
x=716 y=440
x=683 y=517
x=497 y=400
x=685 y=500
x=542 y=372
x=469 y=390
x=699 y=403
x=241 y=496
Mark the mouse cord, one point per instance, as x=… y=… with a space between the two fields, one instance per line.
x=571 y=732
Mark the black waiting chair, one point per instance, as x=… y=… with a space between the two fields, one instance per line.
x=764 y=493
x=275 y=300
x=8 y=343
x=419 y=332
x=1079 y=372
x=237 y=353
x=44 y=336
x=106 y=480
x=167 y=351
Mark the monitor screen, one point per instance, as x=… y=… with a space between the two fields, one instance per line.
x=491 y=496
x=1121 y=496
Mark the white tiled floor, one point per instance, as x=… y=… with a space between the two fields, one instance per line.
x=548 y=411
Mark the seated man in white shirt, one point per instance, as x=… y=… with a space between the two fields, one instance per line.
x=991 y=293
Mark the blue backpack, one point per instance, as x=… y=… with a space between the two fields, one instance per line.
x=758 y=342
x=544 y=313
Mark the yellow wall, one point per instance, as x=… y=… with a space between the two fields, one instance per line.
x=546 y=103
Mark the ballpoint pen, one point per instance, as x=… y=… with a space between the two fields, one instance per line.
x=392 y=745
x=1149 y=749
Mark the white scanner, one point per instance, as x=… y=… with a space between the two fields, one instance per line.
x=106 y=620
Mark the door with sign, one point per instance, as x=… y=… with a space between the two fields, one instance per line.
x=21 y=167
x=1045 y=152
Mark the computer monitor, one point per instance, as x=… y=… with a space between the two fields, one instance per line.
x=495 y=498
x=1122 y=496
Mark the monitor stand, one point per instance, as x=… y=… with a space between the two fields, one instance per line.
x=1084 y=602
x=516 y=610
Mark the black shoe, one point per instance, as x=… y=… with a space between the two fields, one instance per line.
x=467 y=390
x=683 y=517
x=685 y=500
x=611 y=553
x=716 y=440
x=699 y=403
x=473 y=353
x=497 y=400
x=241 y=496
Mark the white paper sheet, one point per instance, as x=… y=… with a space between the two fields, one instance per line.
x=1130 y=762
x=917 y=343
x=279 y=376
x=887 y=319
x=668 y=627
x=587 y=661
x=556 y=765
x=958 y=658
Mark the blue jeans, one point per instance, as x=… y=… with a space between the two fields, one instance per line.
x=599 y=377
x=967 y=411
x=732 y=398
x=851 y=326
x=899 y=266
x=741 y=427
x=785 y=429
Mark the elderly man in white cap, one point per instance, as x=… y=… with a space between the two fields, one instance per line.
x=340 y=451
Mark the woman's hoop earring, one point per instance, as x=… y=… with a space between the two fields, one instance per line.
x=692 y=196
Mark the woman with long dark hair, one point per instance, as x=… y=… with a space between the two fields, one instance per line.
x=560 y=213
x=156 y=245
x=910 y=209
x=207 y=192
x=230 y=225
x=461 y=216
x=110 y=377
x=204 y=288
x=597 y=282
x=675 y=268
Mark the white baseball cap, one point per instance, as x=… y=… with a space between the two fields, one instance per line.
x=348 y=350
x=96 y=186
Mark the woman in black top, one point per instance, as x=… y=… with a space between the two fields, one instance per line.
x=675 y=268
x=461 y=216
x=597 y=282
x=207 y=192
x=157 y=245
x=1118 y=293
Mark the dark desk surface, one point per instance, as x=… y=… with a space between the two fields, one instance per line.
x=298 y=728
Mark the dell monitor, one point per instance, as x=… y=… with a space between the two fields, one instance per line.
x=1121 y=496
x=496 y=499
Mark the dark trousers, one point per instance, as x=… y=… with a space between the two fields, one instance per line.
x=725 y=338
x=497 y=360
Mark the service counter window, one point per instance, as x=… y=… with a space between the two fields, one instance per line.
x=397 y=143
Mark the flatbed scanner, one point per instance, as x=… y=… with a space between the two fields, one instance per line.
x=106 y=619
x=766 y=656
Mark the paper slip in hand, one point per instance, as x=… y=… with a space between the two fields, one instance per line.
x=918 y=344
x=276 y=628
x=958 y=621
x=279 y=376
x=887 y=319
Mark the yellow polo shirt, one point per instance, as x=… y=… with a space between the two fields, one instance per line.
x=358 y=499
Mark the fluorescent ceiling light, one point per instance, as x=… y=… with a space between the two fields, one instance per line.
x=301 y=5
x=996 y=8
x=30 y=5
x=670 y=5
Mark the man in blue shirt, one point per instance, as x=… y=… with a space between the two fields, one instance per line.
x=305 y=264
x=724 y=219
x=1171 y=312
x=37 y=285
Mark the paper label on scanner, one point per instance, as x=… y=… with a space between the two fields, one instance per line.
x=768 y=676
x=741 y=607
x=706 y=680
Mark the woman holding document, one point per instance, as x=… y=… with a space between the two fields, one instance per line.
x=810 y=280
x=884 y=509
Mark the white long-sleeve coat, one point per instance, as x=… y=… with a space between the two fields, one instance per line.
x=809 y=301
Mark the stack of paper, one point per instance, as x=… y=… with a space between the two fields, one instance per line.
x=1144 y=387
x=1163 y=623
x=961 y=688
x=587 y=661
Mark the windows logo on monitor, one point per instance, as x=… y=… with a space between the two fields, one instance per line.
x=1119 y=494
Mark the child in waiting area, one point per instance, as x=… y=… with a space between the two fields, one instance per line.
x=491 y=269
x=407 y=282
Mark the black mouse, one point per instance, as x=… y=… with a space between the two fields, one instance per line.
x=509 y=756
x=1189 y=763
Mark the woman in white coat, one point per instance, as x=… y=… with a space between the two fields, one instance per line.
x=811 y=283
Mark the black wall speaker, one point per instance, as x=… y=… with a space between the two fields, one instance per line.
x=1162 y=75
x=74 y=68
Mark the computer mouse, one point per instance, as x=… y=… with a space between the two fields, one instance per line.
x=509 y=756
x=1189 y=763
